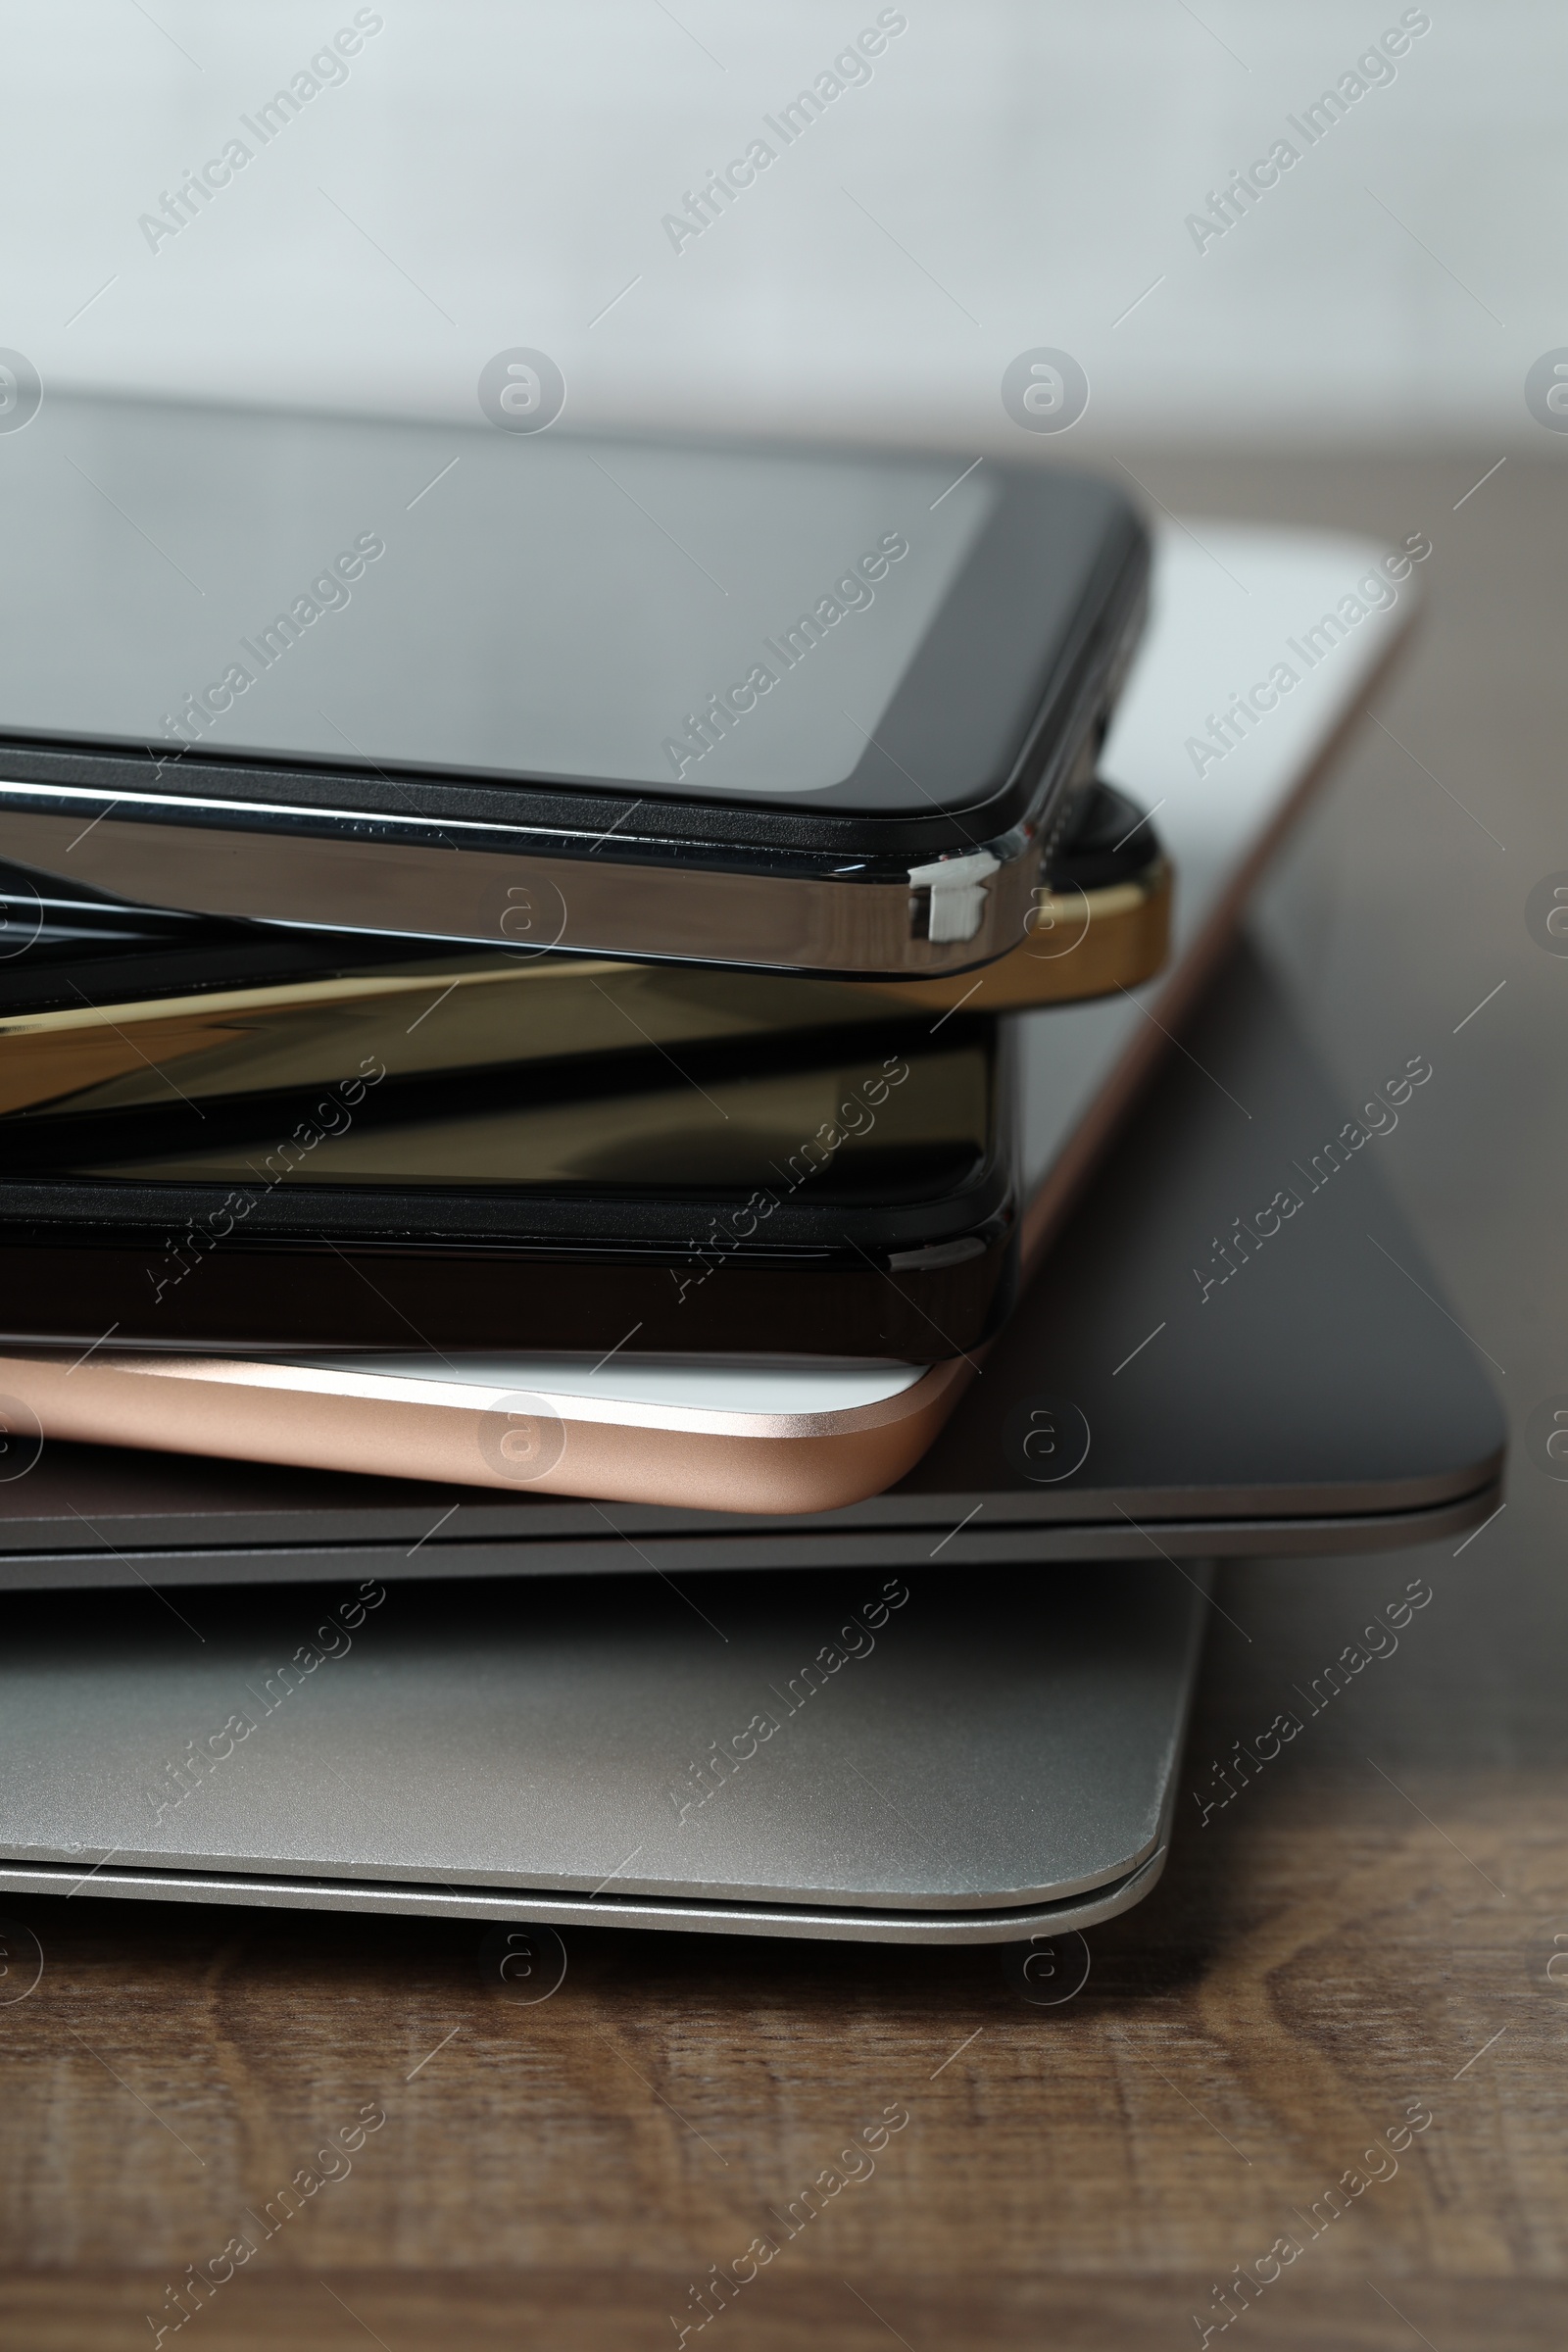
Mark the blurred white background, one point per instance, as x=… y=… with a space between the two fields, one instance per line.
x=1012 y=173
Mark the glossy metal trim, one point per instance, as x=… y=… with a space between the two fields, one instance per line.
x=898 y=1543
x=267 y=1412
x=496 y=886
x=799 y=1922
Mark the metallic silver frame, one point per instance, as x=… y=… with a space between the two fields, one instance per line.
x=806 y=1922
x=500 y=885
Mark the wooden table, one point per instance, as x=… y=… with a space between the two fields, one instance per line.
x=1369 y=1921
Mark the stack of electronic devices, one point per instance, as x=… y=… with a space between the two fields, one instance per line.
x=558 y=1000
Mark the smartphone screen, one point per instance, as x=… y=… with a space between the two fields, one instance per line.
x=725 y=623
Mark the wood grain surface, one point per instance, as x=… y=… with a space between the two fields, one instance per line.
x=1361 y=1937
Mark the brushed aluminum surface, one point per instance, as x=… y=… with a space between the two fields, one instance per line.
x=980 y=1752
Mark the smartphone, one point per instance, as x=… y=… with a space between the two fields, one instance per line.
x=808 y=710
x=756 y=1434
